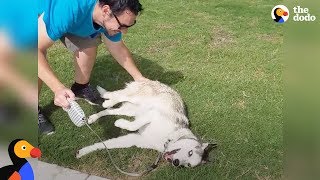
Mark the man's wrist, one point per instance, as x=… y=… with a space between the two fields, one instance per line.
x=57 y=88
x=137 y=77
x=140 y=78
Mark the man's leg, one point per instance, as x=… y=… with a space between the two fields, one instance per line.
x=39 y=85
x=85 y=52
x=45 y=126
x=83 y=63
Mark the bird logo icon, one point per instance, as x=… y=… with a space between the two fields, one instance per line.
x=21 y=169
x=280 y=14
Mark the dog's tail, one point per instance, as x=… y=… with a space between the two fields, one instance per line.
x=101 y=90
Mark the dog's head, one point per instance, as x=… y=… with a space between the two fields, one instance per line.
x=188 y=152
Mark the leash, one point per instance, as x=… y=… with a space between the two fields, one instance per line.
x=77 y=116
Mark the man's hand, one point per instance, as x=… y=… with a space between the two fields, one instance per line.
x=61 y=96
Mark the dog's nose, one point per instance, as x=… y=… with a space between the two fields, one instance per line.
x=176 y=162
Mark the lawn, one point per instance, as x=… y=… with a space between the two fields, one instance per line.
x=223 y=57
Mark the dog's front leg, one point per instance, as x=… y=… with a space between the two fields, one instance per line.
x=113 y=98
x=131 y=126
x=127 y=109
x=120 y=142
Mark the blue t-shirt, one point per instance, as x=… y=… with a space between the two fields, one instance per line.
x=19 y=24
x=71 y=16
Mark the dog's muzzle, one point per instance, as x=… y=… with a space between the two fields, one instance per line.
x=176 y=162
x=169 y=156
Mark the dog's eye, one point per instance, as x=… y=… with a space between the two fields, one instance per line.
x=190 y=153
x=189 y=165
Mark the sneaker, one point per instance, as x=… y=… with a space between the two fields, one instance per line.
x=88 y=93
x=45 y=126
x=9 y=113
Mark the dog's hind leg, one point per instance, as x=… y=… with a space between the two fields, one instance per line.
x=126 y=109
x=125 y=141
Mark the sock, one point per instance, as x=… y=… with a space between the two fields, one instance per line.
x=77 y=86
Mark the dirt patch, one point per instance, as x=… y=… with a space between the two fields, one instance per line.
x=220 y=38
x=270 y=38
x=164 y=26
x=241 y=104
x=254 y=22
x=162 y=46
x=259 y=74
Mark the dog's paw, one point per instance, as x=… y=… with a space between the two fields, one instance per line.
x=121 y=123
x=105 y=95
x=93 y=118
x=108 y=103
x=79 y=154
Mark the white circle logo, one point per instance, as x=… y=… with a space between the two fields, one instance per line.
x=280 y=14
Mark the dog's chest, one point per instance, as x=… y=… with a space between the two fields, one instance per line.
x=156 y=133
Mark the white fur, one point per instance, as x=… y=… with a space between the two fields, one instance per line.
x=159 y=116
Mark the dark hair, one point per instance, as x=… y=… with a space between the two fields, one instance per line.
x=119 y=6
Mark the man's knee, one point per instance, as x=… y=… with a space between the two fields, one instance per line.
x=89 y=53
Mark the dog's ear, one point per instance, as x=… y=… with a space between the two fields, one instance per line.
x=204 y=161
x=207 y=147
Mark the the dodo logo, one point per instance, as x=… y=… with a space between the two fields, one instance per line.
x=18 y=150
x=280 y=14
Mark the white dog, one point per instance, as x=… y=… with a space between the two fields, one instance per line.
x=160 y=123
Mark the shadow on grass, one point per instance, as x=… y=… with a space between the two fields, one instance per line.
x=108 y=74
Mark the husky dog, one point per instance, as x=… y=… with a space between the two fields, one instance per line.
x=160 y=123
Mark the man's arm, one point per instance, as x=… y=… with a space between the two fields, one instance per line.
x=45 y=72
x=122 y=55
x=11 y=78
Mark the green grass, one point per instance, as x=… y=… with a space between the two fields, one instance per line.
x=223 y=57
